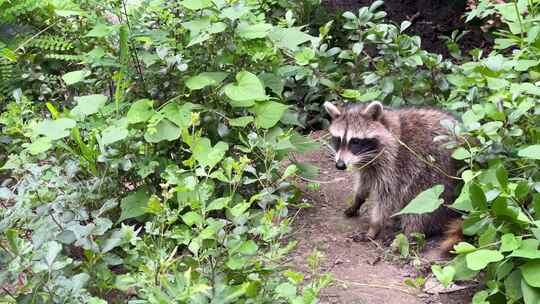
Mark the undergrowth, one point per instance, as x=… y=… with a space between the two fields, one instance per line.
x=142 y=145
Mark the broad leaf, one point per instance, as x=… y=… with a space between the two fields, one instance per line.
x=241 y=121
x=75 y=76
x=289 y=38
x=100 y=30
x=425 y=202
x=253 y=31
x=88 y=105
x=268 y=113
x=246 y=91
x=532 y=152
x=164 y=130
x=55 y=129
x=444 y=275
x=180 y=115
x=205 y=79
x=196 y=4
x=207 y=155
x=531 y=272
x=134 y=204
x=479 y=259
x=113 y=134
x=140 y=111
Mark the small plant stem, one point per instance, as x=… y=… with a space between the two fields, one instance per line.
x=369 y=285
x=520 y=24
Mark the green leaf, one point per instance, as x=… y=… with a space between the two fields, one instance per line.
x=218 y=203
x=528 y=249
x=477 y=196
x=75 y=76
x=53 y=249
x=273 y=82
x=39 y=145
x=134 y=204
x=236 y=262
x=113 y=134
x=88 y=105
x=308 y=170
x=444 y=275
x=100 y=30
x=480 y=297
x=427 y=201
x=512 y=286
x=209 y=156
x=479 y=259
x=192 y=218
x=180 y=115
x=463 y=273
x=289 y=38
x=268 y=113
x=140 y=111
x=246 y=91
x=509 y=242
x=461 y=153
x=531 y=272
x=401 y=244
x=205 y=79
x=253 y=31
x=304 y=56
x=55 y=129
x=303 y=143
x=464 y=247
x=241 y=121
x=196 y=4
x=286 y=290
x=531 y=295
x=248 y=248
x=531 y=152
x=165 y=130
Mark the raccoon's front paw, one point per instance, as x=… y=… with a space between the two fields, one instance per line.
x=362 y=236
x=351 y=212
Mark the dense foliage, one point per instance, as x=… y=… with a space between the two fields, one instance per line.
x=142 y=144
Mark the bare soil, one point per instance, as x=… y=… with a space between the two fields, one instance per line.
x=362 y=272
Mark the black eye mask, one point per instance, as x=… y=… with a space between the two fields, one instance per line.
x=362 y=145
x=335 y=142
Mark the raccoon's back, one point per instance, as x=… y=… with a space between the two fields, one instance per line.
x=419 y=129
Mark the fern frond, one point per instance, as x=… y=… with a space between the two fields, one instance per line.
x=65 y=57
x=52 y=43
x=12 y=11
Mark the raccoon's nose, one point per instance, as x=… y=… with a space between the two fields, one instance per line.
x=340 y=165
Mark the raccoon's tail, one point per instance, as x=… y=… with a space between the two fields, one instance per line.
x=452 y=235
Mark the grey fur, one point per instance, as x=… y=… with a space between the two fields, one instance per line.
x=391 y=180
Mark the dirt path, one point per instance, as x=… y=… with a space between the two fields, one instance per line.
x=361 y=272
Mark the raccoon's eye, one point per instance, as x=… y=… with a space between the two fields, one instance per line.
x=362 y=145
x=335 y=142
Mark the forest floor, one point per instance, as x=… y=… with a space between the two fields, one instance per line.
x=363 y=272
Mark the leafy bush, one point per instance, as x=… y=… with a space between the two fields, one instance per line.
x=144 y=147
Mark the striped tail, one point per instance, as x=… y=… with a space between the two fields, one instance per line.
x=452 y=235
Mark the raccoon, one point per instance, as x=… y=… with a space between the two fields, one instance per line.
x=376 y=142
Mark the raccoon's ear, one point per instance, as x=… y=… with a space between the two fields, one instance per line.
x=374 y=110
x=332 y=109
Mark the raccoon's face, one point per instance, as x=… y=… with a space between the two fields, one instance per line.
x=358 y=133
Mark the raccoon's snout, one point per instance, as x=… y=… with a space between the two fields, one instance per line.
x=340 y=165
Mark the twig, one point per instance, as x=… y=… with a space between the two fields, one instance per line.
x=369 y=285
x=34 y=37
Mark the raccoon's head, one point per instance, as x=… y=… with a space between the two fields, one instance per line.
x=358 y=133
